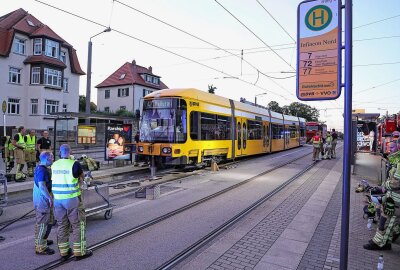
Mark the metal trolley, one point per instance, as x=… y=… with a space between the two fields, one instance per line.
x=3 y=191
x=96 y=200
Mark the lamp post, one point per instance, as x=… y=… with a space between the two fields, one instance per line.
x=255 y=97
x=89 y=74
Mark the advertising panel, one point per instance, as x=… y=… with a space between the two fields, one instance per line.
x=86 y=134
x=118 y=141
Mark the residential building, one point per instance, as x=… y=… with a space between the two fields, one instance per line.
x=39 y=72
x=124 y=89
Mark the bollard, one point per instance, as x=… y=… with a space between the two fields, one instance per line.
x=214 y=166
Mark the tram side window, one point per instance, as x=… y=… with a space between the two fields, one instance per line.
x=194 y=125
x=223 y=131
x=302 y=132
x=277 y=131
x=254 y=130
x=293 y=131
x=206 y=126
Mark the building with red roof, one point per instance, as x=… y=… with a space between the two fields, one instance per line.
x=123 y=89
x=40 y=71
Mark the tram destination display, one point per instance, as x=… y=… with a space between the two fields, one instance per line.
x=118 y=142
x=318 y=50
x=86 y=134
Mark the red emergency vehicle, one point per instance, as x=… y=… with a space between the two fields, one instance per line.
x=313 y=127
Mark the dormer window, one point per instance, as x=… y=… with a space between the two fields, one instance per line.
x=52 y=48
x=63 y=57
x=151 y=79
x=37 y=46
x=122 y=76
x=30 y=23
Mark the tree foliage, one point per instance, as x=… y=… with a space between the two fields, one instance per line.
x=297 y=109
x=82 y=104
x=211 y=89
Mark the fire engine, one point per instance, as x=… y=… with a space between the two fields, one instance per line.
x=386 y=127
x=313 y=127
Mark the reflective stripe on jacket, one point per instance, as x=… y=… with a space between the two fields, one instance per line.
x=9 y=145
x=30 y=142
x=64 y=184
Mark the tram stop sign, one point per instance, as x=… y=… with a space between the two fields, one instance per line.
x=4 y=106
x=318 y=50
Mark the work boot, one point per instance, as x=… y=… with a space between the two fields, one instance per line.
x=66 y=257
x=372 y=246
x=87 y=255
x=50 y=242
x=47 y=251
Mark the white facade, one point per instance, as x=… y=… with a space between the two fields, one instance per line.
x=114 y=103
x=30 y=94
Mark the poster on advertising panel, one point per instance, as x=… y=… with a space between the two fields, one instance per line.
x=86 y=134
x=118 y=141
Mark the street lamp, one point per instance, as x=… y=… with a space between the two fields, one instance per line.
x=89 y=73
x=255 y=97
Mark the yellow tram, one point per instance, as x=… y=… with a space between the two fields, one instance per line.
x=189 y=126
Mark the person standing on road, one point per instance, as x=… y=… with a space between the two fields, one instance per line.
x=316 y=141
x=44 y=143
x=334 y=142
x=328 y=146
x=67 y=176
x=30 y=151
x=43 y=202
x=371 y=140
x=19 y=144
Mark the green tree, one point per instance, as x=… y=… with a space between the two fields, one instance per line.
x=211 y=89
x=302 y=110
x=82 y=104
x=274 y=106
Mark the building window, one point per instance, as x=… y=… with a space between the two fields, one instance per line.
x=156 y=80
x=65 y=85
x=35 y=78
x=63 y=57
x=123 y=92
x=122 y=108
x=34 y=106
x=19 y=46
x=13 y=106
x=146 y=92
x=65 y=108
x=52 y=48
x=107 y=109
x=122 y=76
x=107 y=93
x=37 y=46
x=52 y=77
x=51 y=106
x=14 y=75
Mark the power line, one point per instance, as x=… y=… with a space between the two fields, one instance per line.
x=389 y=18
x=269 y=13
x=254 y=34
x=377 y=64
x=155 y=46
x=376 y=86
x=205 y=41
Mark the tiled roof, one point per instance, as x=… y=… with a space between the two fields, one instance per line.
x=23 y=22
x=39 y=59
x=132 y=76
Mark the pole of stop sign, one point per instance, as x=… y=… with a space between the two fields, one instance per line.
x=344 y=243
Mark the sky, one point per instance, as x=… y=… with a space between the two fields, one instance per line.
x=199 y=50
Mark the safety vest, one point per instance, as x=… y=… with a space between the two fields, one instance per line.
x=30 y=142
x=21 y=141
x=316 y=140
x=8 y=144
x=64 y=184
x=328 y=139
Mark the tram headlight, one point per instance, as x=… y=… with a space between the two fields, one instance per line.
x=166 y=150
x=140 y=149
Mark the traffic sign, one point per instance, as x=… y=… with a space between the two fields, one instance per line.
x=319 y=49
x=4 y=106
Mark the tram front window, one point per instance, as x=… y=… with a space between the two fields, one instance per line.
x=163 y=120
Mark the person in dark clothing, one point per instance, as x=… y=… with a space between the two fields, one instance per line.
x=137 y=136
x=334 y=142
x=44 y=143
x=43 y=203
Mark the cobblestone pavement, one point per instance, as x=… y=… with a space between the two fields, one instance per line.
x=248 y=251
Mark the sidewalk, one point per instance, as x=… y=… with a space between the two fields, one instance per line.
x=301 y=228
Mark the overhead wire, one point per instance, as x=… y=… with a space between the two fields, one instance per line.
x=376 y=86
x=378 y=21
x=155 y=46
x=205 y=41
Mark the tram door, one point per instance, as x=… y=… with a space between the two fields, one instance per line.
x=266 y=137
x=241 y=136
x=287 y=136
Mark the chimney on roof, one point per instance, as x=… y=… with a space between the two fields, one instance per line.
x=134 y=62
x=150 y=69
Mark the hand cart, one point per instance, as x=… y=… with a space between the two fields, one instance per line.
x=3 y=194
x=96 y=200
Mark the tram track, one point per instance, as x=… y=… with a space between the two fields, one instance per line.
x=159 y=219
